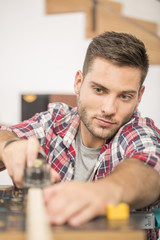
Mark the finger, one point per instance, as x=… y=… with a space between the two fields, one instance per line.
x=7 y=162
x=65 y=210
x=68 y=189
x=65 y=203
x=15 y=161
x=55 y=177
x=83 y=216
x=49 y=192
x=18 y=170
x=9 y=169
x=75 y=204
x=32 y=150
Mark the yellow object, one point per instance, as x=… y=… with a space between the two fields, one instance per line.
x=29 y=98
x=118 y=212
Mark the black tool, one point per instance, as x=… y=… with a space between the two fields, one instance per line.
x=38 y=175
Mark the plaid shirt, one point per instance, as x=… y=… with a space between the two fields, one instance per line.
x=56 y=131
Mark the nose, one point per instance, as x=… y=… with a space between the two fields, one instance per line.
x=109 y=106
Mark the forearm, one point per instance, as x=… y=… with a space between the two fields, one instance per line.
x=4 y=137
x=136 y=183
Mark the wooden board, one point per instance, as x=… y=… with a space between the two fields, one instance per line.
x=13 y=218
x=109 y=17
x=69 y=99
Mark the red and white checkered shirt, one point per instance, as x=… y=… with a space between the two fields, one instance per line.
x=56 y=131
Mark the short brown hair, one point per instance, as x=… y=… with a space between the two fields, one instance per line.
x=121 y=49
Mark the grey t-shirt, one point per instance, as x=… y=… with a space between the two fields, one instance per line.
x=86 y=159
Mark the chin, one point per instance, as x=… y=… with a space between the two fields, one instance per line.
x=101 y=135
x=108 y=135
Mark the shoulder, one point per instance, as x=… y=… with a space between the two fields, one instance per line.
x=139 y=127
x=61 y=110
x=139 y=138
x=63 y=116
x=138 y=133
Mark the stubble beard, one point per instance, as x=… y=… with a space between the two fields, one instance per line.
x=87 y=121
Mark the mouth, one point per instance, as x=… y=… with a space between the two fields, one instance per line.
x=105 y=123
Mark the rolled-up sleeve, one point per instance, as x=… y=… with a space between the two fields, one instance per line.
x=142 y=142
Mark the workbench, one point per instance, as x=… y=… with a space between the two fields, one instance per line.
x=13 y=222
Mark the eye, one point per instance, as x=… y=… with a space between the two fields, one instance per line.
x=98 y=90
x=126 y=97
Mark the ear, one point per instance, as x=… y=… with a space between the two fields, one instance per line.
x=78 y=82
x=140 y=95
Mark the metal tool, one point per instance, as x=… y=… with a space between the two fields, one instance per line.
x=144 y=219
x=38 y=175
x=147 y=220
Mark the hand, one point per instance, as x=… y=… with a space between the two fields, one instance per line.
x=15 y=156
x=76 y=202
x=55 y=177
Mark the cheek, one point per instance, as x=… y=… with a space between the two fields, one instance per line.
x=92 y=103
x=126 y=112
x=88 y=99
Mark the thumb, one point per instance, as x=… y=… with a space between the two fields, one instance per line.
x=32 y=150
x=55 y=177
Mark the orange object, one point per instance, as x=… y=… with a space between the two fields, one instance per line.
x=118 y=212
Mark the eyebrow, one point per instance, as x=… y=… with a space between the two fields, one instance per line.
x=104 y=88
x=99 y=85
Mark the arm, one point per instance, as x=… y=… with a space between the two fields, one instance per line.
x=33 y=133
x=131 y=182
x=4 y=137
x=139 y=183
x=15 y=155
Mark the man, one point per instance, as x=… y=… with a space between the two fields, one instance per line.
x=104 y=146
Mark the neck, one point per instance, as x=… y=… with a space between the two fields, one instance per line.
x=88 y=139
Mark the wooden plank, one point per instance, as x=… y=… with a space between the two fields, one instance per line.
x=70 y=99
x=64 y=6
x=79 y=235
x=139 y=235
x=151 y=26
x=116 y=6
x=12 y=235
x=109 y=21
x=99 y=228
x=36 y=225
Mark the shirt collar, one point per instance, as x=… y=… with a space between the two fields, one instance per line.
x=71 y=131
x=66 y=126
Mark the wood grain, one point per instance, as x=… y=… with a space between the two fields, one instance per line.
x=37 y=225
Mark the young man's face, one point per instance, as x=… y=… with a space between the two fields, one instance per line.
x=107 y=99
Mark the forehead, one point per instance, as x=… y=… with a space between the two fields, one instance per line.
x=104 y=72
